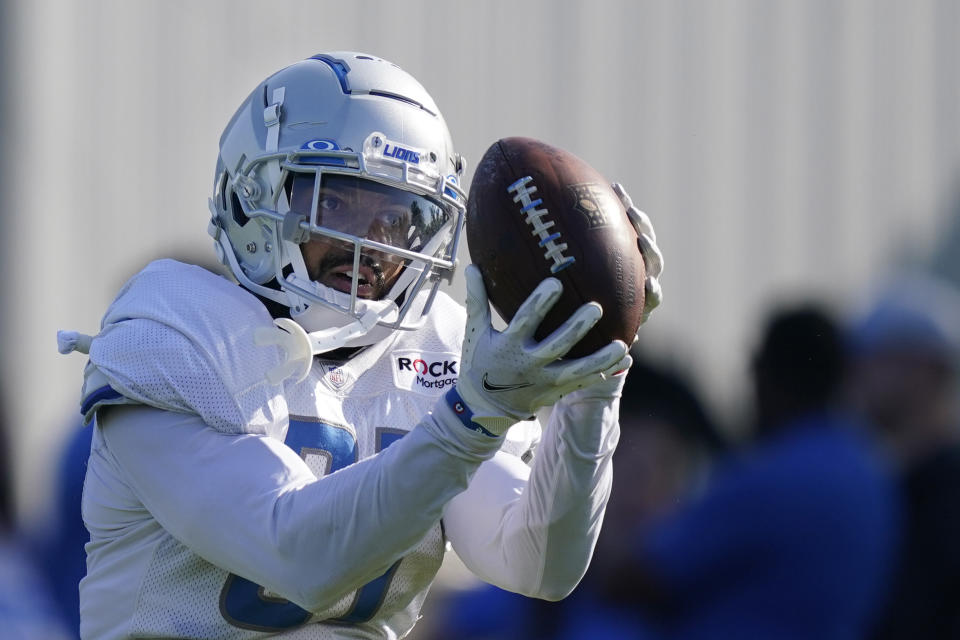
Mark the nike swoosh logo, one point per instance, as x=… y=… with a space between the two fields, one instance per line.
x=494 y=388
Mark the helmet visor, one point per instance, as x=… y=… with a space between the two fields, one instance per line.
x=361 y=208
x=371 y=210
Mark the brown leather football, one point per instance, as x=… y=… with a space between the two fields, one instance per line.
x=536 y=211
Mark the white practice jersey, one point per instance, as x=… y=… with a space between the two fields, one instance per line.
x=203 y=525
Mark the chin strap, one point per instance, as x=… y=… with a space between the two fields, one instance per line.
x=299 y=347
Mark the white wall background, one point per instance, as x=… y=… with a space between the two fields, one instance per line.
x=782 y=148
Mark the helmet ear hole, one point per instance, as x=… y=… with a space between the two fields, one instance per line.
x=236 y=210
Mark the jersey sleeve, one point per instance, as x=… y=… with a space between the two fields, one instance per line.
x=180 y=338
x=532 y=530
x=248 y=504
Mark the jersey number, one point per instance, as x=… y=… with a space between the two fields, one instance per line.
x=325 y=448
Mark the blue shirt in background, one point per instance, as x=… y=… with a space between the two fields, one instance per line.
x=795 y=540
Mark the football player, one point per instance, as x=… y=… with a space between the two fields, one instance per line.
x=292 y=456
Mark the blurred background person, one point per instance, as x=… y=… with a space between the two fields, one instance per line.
x=27 y=611
x=793 y=538
x=61 y=536
x=904 y=381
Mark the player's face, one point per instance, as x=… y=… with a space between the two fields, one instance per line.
x=365 y=209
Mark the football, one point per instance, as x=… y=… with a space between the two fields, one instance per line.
x=536 y=211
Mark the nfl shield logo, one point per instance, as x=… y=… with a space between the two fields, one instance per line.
x=593 y=202
x=335 y=376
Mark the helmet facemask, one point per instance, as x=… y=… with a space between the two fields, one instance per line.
x=365 y=238
x=358 y=128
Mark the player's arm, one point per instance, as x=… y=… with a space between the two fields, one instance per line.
x=532 y=531
x=248 y=504
x=535 y=534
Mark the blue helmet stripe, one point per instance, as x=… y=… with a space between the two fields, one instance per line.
x=339 y=68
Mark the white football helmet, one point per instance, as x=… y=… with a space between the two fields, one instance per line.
x=337 y=194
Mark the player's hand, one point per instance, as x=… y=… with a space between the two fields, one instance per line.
x=506 y=376
x=652 y=257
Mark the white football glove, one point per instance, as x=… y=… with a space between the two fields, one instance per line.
x=652 y=258
x=506 y=376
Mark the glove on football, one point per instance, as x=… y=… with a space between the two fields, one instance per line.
x=506 y=376
x=652 y=258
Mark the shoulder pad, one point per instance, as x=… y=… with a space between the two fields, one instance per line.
x=180 y=338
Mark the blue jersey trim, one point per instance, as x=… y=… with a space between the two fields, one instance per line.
x=369 y=598
x=105 y=392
